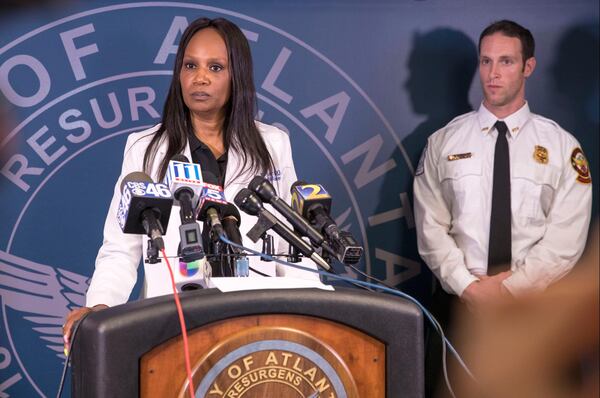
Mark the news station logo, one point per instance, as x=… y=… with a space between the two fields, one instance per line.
x=80 y=84
x=150 y=194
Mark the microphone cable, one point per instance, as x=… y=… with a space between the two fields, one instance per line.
x=436 y=325
x=68 y=353
x=386 y=289
x=186 y=349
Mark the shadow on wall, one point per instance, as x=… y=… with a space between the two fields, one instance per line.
x=441 y=66
x=19 y=5
x=575 y=74
x=6 y=123
x=7 y=7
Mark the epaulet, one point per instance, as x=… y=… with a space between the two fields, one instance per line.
x=544 y=120
x=461 y=117
x=452 y=125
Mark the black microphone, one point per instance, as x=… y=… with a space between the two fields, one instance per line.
x=249 y=202
x=230 y=219
x=212 y=204
x=314 y=203
x=185 y=182
x=265 y=190
x=144 y=208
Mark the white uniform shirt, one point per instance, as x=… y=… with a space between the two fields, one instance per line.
x=551 y=200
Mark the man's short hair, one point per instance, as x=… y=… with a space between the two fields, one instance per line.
x=512 y=29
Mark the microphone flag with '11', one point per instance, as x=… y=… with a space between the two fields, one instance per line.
x=314 y=203
x=145 y=207
x=249 y=202
x=184 y=179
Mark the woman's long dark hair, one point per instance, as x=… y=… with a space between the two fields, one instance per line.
x=239 y=129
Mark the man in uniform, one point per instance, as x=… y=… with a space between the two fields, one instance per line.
x=502 y=196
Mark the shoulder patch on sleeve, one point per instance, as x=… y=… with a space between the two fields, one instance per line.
x=581 y=166
x=421 y=166
x=545 y=120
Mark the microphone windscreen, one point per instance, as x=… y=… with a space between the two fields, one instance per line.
x=230 y=211
x=294 y=185
x=255 y=182
x=180 y=157
x=137 y=176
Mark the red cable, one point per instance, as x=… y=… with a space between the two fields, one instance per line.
x=186 y=349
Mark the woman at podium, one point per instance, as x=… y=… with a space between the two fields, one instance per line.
x=208 y=116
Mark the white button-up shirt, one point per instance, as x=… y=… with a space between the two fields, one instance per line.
x=551 y=200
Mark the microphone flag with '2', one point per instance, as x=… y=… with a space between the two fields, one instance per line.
x=184 y=179
x=314 y=203
x=145 y=208
x=249 y=202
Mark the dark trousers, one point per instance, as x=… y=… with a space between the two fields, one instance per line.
x=443 y=306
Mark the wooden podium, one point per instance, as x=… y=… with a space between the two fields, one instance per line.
x=255 y=343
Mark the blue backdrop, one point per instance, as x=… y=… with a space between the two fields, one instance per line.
x=358 y=85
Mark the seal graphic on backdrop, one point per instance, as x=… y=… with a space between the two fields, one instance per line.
x=81 y=84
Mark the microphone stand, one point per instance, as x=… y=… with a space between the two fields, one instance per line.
x=268 y=246
x=219 y=257
x=152 y=253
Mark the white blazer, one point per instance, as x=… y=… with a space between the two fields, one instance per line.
x=119 y=257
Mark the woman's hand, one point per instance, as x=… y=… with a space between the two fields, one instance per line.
x=72 y=318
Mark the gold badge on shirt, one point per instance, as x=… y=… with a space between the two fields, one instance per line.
x=540 y=154
x=459 y=156
x=580 y=164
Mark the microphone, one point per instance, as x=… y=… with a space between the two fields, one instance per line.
x=211 y=206
x=230 y=219
x=314 y=203
x=249 y=202
x=144 y=208
x=184 y=179
x=265 y=190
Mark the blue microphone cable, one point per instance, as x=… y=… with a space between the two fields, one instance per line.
x=396 y=292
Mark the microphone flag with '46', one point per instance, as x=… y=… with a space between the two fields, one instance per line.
x=145 y=207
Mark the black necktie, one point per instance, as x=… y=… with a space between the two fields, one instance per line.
x=499 y=255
